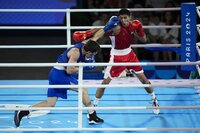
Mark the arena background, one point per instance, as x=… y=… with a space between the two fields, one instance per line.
x=58 y=37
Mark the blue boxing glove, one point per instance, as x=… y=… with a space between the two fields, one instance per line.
x=113 y=21
x=89 y=60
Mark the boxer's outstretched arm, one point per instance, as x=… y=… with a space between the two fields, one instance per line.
x=98 y=35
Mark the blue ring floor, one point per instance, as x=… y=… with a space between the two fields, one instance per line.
x=167 y=96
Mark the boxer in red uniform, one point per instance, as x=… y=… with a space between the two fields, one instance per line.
x=122 y=35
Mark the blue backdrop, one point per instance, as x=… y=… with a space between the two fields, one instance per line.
x=30 y=18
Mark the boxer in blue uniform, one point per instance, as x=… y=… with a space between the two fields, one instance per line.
x=60 y=75
x=81 y=52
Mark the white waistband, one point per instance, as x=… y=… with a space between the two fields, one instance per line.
x=120 y=51
x=59 y=67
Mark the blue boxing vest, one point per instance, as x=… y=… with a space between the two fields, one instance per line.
x=63 y=58
x=60 y=77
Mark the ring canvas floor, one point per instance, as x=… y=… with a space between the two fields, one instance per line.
x=167 y=96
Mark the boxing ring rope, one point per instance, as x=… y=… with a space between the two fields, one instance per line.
x=198 y=12
x=102 y=46
x=198 y=44
x=101 y=108
x=68 y=27
x=97 y=64
x=99 y=129
x=73 y=27
x=91 y=86
x=89 y=10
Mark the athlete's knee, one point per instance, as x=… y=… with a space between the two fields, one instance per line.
x=106 y=81
x=51 y=104
x=145 y=81
x=85 y=91
x=101 y=89
x=99 y=92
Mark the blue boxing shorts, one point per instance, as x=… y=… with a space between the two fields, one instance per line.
x=59 y=77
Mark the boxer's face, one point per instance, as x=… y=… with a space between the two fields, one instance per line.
x=89 y=54
x=124 y=19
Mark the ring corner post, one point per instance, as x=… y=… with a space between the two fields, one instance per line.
x=188 y=35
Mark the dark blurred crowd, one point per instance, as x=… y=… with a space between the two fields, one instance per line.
x=148 y=18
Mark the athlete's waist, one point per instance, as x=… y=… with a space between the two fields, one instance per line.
x=59 y=67
x=120 y=51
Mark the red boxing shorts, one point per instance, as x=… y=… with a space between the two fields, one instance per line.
x=115 y=71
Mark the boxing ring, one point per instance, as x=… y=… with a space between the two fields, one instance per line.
x=124 y=107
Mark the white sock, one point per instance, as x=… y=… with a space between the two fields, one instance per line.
x=96 y=101
x=91 y=110
x=153 y=95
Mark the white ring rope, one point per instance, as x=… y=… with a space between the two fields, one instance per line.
x=102 y=46
x=89 y=10
x=98 y=64
x=198 y=28
x=198 y=69
x=96 y=86
x=198 y=25
x=198 y=49
x=97 y=129
x=73 y=27
x=198 y=12
x=100 y=108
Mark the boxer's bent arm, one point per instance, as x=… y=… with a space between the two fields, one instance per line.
x=98 y=35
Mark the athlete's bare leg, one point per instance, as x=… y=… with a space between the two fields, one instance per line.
x=144 y=80
x=50 y=102
x=92 y=117
x=100 y=91
x=85 y=98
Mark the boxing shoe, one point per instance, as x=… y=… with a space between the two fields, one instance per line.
x=155 y=104
x=19 y=115
x=94 y=119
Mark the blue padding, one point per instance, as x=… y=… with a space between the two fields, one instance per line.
x=177 y=50
x=183 y=74
x=98 y=75
x=165 y=68
x=165 y=74
x=37 y=18
x=91 y=75
x=150 y=74
x=147 y=67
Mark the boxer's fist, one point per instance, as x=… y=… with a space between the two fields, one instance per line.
x=136 y=26
x=80 y=36
x=113 y=21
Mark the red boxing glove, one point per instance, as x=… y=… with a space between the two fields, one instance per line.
x=80 y=36
x=136 y=26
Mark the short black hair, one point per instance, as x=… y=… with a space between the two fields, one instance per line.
x=124 y=11
x=91 y=46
